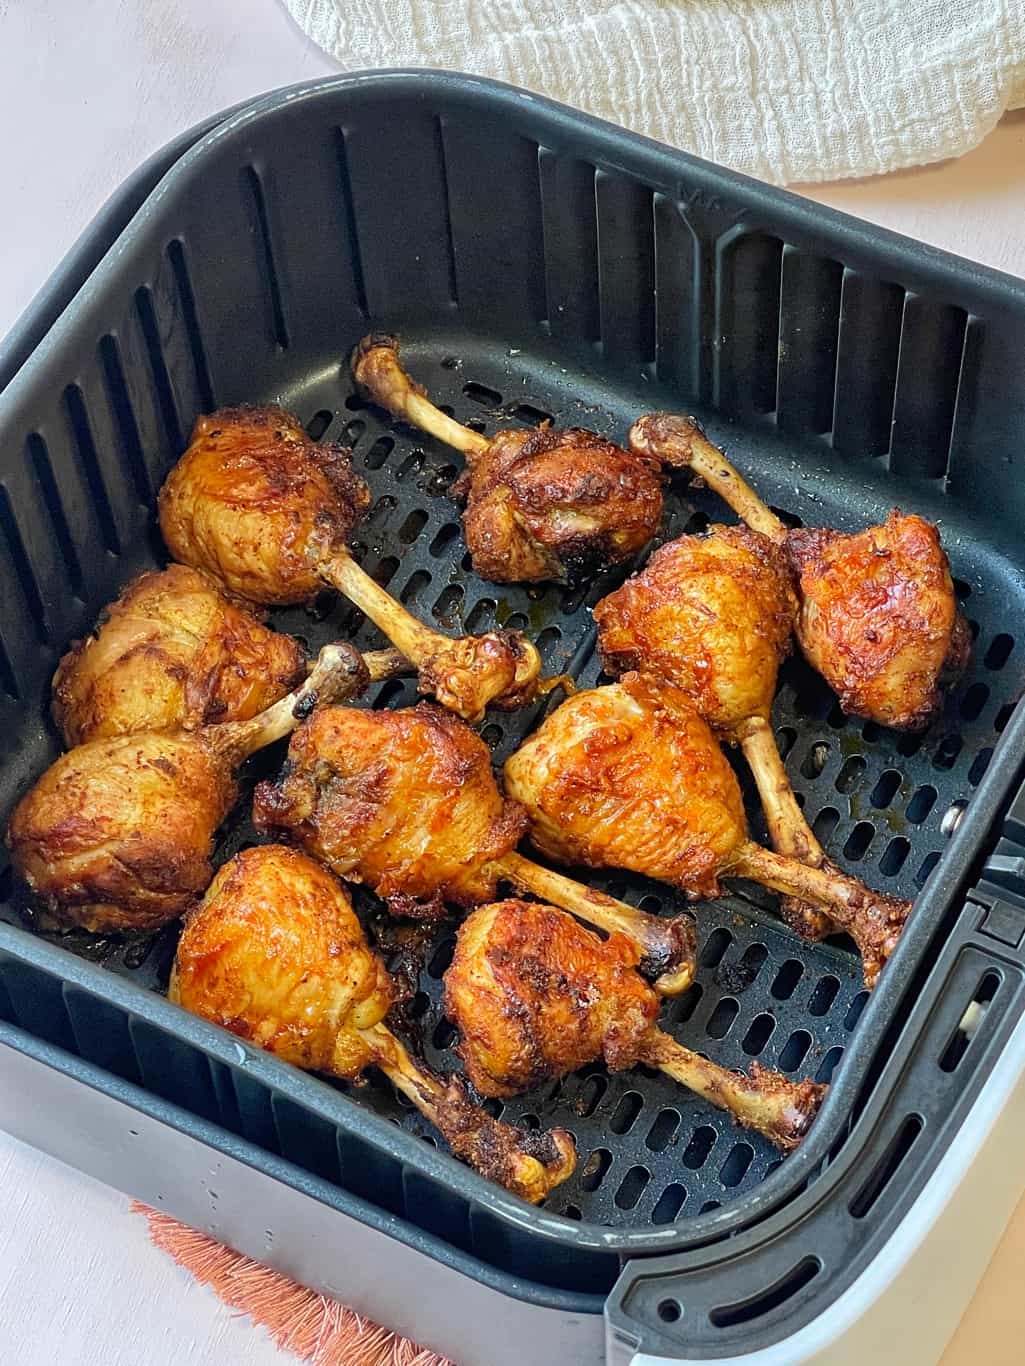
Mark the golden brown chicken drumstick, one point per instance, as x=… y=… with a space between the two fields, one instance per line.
x=630 y=776
x=406 y=802
x=535 y=995
x=117 y=834
x=269 y=512
x=275 y=954
x=540 y=504
x=173 y=652
x=714 y=615
x=878 y=617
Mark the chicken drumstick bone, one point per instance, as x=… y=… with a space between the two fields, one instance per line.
x=275 y=954
x=536 y=995
x=630 y=776
x=878 y=617
x=406 y=802
x=268 y=512
x=541 y=504
x=118 y=833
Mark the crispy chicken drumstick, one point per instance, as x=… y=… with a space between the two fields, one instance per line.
x=406 y=802
x=173 y=652
x=540 y=504
x=535 y=995
x=630 y=776
x=878 y=617
x=275 y=954
x=714 y=615
x=269 y=512
x=117 y=834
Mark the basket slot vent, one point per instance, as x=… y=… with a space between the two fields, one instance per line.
x=626 y=268
x=27 y=582
x=683 y=332
x=748 y=323
x=701 y=1144
x=85 y=448
x=498 y=255
x=772 y=1297
x=316 y=428
x=631 y=1188
x=101 y=1032
x=668 y=1204
x=928 y=372
x=7 y=679
x=886 y=1168
x=980 y=763
x=570 y=246
x=809 y=319
x=370 y=1173
x=173 y=1069
x=350 y=222
x=735 y=1168
x=257 y=201
x=120 y=402
x=307 y=1139
x=758 y=1034
x=39 y=457
x=36 y=1003
x=187 y=301
x=593 y=1172
x=663 y=1131
x=887 y=786
x=866 y=364
x=970 y=1023
x=895 y=856
x=167 y=408
x=829 y=1063
x=256 y=1117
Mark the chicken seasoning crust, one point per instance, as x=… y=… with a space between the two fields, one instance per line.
x=172 y=653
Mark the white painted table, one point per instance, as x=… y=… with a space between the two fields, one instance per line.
x=88 y=88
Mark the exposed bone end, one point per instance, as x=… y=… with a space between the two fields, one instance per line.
x=378 y=374
x=501 y=668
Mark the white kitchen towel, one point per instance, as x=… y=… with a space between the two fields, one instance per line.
x=788 y=90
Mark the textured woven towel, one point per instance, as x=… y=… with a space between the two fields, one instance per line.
x=788 y=90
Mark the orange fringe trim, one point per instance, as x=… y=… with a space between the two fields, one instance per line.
x=313 y=1327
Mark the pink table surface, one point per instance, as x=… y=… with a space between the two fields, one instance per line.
x=87 y=90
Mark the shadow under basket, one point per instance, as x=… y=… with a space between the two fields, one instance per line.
x=540 y=266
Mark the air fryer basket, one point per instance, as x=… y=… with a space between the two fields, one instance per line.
x=536 y=264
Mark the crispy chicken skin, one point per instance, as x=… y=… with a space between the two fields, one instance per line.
x=541 y=505
x=172 y=653
x=536 y=995
x=117 y=834
x=404 y=801
x=259 y=505
x=560 y=505
x=630 y=776
x=274 y=953
x=879 y=618
x=713 y=614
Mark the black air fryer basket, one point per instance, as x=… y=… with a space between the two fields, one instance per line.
x=538 y=264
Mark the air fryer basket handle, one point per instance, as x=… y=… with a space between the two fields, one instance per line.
x=747 y=1293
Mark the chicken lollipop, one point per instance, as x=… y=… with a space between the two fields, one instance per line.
x=714 y=615
x=540 y=504
x=117 y=834
x=535 y=995
x=175 y=653
x=406 y=802
x=275 y=954
x=269 y=512
x=630 y=776
x=878 y=617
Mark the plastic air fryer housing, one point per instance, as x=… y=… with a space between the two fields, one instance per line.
x=538 y=264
